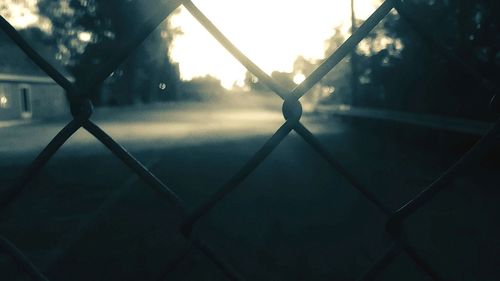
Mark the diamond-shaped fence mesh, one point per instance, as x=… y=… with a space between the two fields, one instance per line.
x=81 y=109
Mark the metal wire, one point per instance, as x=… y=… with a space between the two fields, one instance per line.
x=292 y=111
x=37 y=58
x=381 y=263
x=133 y=163
x=316 y=144
x=234 y=181
x=39 y=162
x=347 y=47
x=21 y=260
x=244 y=60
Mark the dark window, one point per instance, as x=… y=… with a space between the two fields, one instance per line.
x=25 y=102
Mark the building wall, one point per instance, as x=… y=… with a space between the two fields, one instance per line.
x=46 y=100
x=9 y=103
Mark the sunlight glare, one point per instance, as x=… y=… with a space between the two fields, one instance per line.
x=85 y=36
x=272 y=33
x=299 y=78
x=3 y=101
x=21 y=16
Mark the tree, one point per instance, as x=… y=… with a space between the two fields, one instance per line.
x=403 y=70
x=468 y=29
x=88 y=32
x=338 y=79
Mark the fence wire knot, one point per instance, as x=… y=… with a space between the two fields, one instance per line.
x=292 y=110
x=82 y=109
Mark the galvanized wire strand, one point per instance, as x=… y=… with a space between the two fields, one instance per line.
x=351 y=179
x=231 y=48
x=36 y=165
x=237 y=178
x=381 y=263
x=344 y=49
x=230 y=272
x=444 y=179
x=177 y=261
x=388 y=257
x=70 y=238
x=38 y=59
x=193 y=241
x=104 y=69
x=96 y=77
x=134 y=164
x=322 y=151
x=143 y=172
x=150 y=179
x=25 y=265
x=396 y=220
x=420 y=262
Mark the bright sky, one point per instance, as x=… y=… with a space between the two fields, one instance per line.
x=20 y=14
x=272 y=33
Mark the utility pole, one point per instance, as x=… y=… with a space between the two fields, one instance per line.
x=354 y=62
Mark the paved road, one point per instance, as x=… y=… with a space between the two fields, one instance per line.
x=294 y=218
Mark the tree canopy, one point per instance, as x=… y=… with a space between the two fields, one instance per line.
x=87 y=33
x=409 y=62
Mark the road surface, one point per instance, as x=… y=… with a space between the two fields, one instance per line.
x=87 y=217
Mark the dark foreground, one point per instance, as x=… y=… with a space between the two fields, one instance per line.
x=87 y=217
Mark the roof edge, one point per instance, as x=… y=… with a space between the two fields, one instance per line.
x=28 y=78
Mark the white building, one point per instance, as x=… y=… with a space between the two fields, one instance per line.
x=26 y=96
x=26 y=91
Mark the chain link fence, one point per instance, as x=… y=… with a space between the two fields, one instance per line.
x=82 y=109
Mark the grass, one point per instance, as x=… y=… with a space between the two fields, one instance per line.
x=87 y=217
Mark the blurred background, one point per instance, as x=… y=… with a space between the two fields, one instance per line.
x=392 y=68
x=396 y=112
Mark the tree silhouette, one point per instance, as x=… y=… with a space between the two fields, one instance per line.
x=89 y=32
x=400 y=69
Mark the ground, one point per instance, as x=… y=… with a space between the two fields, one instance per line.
x=87 y=217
